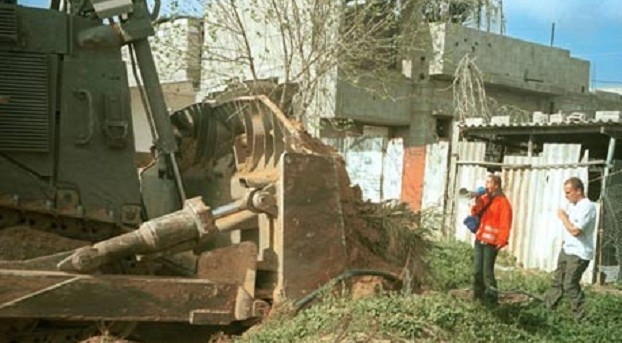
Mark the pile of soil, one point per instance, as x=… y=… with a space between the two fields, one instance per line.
x=22 y=243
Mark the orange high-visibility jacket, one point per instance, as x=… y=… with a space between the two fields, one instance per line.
x=496 y=222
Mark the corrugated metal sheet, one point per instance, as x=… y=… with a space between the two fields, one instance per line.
x=364 y=162
x=392 y=169
x=589 y=122
x=535 y=195
x=436 y=169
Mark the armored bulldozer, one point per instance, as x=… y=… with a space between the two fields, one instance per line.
x=243 y=216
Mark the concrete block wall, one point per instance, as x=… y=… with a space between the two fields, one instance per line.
x=507 y=60
x=373 y=101
x=225 y=54
x=588 y=104
x=176 y=49
x=177 y=95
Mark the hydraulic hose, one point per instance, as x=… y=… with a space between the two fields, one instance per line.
x=300 y=304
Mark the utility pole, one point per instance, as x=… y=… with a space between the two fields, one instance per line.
x=552 y=33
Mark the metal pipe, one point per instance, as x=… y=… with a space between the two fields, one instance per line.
x=164 y=129
x=149 y=74
x=603 y=190
x=608 y=164
x=230 y=222
x=225 y=210
x=177 y=176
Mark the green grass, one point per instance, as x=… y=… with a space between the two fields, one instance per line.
x=437 y=316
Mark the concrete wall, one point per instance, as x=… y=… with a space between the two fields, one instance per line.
x=226 y=52
x=588 y=104
x=176 y=95
x=176 y=48
x=505 y=60
x=373 y=101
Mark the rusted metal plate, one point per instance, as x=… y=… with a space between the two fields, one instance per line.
x=57 y=295
x=235 y=264
x=309 y=235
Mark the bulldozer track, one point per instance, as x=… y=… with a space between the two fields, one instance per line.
x=75 y=228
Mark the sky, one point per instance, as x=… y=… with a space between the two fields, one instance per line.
x=590 y=29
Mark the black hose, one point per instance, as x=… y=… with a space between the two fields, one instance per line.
x=341 y=277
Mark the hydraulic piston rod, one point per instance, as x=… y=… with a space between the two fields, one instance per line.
x=190 y=224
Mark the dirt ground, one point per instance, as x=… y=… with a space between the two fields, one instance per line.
x=504 y=297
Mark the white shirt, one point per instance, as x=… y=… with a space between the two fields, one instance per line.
x=583 y=216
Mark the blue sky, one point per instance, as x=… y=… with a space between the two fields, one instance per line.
x=590 y=29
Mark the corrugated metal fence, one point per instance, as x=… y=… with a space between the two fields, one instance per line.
x=376 y=165
x=534 y=188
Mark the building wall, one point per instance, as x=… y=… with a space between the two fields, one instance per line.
x=176 y=48
x=176 y=95
x=505 y=60
x=588 y=104
x=226 y=52
x=373 y=101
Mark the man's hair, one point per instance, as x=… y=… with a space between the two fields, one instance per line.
x=575 y=183
x=496 y=179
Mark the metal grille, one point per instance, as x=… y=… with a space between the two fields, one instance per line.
x=612 y=226
x=24 y=120
x=8 y=24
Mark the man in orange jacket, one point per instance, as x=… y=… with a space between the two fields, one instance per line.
x=492 y=235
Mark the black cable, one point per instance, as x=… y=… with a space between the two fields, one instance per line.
x=341 y=277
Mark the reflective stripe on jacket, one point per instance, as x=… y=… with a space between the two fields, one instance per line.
x=496 y=222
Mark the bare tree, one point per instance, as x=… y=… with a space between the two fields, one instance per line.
x=313 y=43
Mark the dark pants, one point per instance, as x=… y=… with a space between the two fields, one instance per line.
x=566 y=280
x=484 y=283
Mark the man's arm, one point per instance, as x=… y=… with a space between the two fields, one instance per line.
x=573 y=230
x=586 y=212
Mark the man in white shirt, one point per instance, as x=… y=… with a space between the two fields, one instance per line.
x=579 y=221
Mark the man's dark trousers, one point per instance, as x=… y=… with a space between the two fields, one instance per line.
x=484 y=283
x=566 y=280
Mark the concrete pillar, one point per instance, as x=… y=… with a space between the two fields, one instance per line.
x=421 y=132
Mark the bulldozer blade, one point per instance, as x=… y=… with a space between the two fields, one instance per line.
x=310 y=237
x=66 y=296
